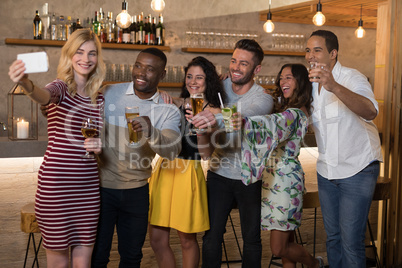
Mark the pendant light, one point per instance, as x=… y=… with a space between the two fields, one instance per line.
x=157 y=5
x=360 y=32
x=319 y=18
x=123 y=20
x=269 y=26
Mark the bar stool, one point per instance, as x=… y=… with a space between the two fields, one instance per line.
x=227 y=261
x=382 y=192
x=29 y=225
x=310 y=200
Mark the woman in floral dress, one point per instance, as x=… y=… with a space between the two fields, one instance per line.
x=270 y=150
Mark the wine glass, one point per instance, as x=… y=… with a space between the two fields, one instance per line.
x=89 y=130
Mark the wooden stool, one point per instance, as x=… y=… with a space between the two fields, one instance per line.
x=29 y=225
x=381 y=192
x=310 y=200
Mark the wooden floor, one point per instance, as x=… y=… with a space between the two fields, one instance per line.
x=18 y=178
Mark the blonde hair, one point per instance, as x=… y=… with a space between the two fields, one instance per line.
x=65 y=71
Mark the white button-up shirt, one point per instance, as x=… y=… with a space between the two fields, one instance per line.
x=346 y=142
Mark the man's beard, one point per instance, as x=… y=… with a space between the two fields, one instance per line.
x=244 y=80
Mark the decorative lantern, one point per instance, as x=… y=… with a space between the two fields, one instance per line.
x=22 y=115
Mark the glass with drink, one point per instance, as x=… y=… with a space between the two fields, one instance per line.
x=89 y=130
x=131 y=114
x=197 y=103
x=313 y=65
x=227 y=113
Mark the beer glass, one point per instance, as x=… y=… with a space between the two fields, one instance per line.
x=131 y=114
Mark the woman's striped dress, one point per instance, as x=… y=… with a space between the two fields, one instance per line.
x=67 y=199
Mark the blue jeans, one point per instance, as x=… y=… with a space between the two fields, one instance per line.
x=345 y=204
x=222 y=194
x=127 y=209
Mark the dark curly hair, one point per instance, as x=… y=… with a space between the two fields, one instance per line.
x=212 y=81
x=302 y=95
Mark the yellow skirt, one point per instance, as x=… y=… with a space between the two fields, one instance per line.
x=178 y=196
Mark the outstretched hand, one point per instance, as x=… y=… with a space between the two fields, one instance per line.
x=142 y=124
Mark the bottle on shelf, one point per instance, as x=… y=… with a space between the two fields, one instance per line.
x=102 y=33
x=110 y=28
x=37 y=26
x=141 y=29
x=126 y=35
x=133 y=30
x=96 y=24
x=53 y=27
x=61 y=32
x=148 y=30
x=160 y=32
x=78 y=25
x=68 y=28
x=118 y=33
x=45 y=22
x=153 y=31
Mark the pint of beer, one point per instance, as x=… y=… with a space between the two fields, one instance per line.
x=131 y=113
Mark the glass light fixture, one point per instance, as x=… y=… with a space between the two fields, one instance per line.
x=360 y=32
x=269 y=26
x=157 y=5
x=319 y=18
x=123 y=20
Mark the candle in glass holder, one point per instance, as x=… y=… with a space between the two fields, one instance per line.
x=22 y=129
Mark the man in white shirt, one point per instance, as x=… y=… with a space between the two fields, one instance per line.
x=349 y=149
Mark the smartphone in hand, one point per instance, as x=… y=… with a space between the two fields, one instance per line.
x=36 y=62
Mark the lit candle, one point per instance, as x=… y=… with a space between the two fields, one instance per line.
x=22 y=129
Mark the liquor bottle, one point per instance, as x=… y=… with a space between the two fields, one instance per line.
x=147 y=30
x=45 y=22
x=53 y=28
x=61 y=33
x=160 y=32
x=67 y=28
x=78 y=25
x=96 y=24
x=133 y=30
x=126 y=35
x=102 y=33
x=37 y=26
x=110 y=28
x=153 y=31
x=141 y=29
x=118 y=33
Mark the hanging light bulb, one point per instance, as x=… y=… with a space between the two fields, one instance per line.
x=123 y=20
x=157 y=5
x=319 y=18
x=360 y=32
x=269 y=26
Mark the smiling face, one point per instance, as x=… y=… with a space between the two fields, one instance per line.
x=85 y=59
x=316 y=51
x=195 y=80
x=242 y=67
x=147 y=72
x=287 y=82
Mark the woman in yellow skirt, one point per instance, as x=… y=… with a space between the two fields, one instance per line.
x=178 y=192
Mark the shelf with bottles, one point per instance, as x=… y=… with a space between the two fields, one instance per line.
x=55 y=43
x=230 y=51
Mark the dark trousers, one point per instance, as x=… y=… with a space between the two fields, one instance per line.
x=222 y=194
x=127 y=210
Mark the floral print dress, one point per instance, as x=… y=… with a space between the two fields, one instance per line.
x=270 y=149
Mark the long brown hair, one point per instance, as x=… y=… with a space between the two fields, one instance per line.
x=303 y=93
x=65 y=71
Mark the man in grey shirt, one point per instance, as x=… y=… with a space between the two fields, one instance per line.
x=225 y=187
x=124 y=169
